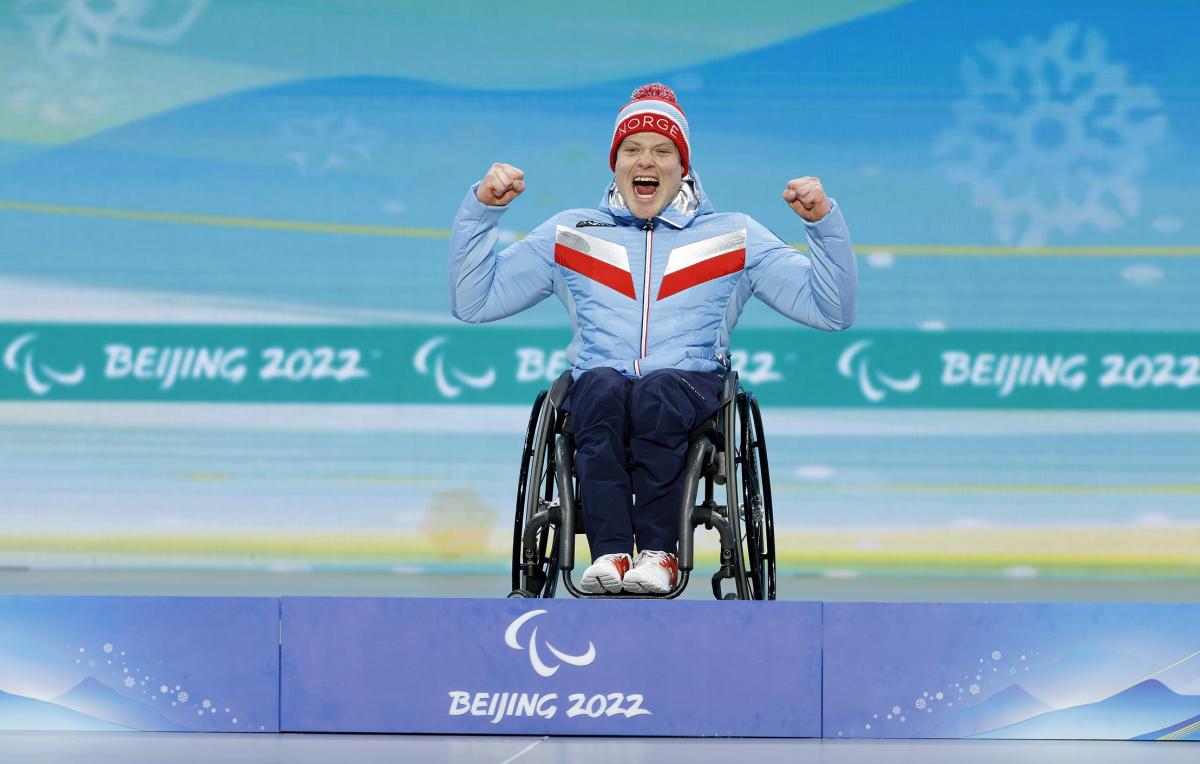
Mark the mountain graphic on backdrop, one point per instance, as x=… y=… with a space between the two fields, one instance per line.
x=1085 y=672
x=1188 y=729
x=98 y=700
x=1148 y=705
x=18 y=712
x=1011 y=705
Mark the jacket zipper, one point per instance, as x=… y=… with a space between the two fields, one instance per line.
x=649 y=229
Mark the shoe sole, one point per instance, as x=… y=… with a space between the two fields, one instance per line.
x=637 y=587
x=607 y=584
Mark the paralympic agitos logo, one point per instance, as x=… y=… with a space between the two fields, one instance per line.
x=450 y=381
x=874 y=384
x=39 y=377
x=511 y=638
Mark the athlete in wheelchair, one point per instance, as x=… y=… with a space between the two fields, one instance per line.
x=654 y=280
x=726 y=449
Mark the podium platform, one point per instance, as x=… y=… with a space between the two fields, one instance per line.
x=564 y=667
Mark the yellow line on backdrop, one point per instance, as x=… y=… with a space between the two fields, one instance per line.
x=970 y=250
x=304 y=226
x=227 y=221
x=1000 y=488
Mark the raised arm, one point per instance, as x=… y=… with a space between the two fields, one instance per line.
x=818 y=290
x=486 y=285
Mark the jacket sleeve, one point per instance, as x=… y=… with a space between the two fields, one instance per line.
x=486 y=285
x=818 y=290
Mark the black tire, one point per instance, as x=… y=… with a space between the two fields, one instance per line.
x=536 y=489
x=758 y=520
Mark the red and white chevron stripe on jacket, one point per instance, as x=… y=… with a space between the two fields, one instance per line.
x=702 y=261
x=599 y=260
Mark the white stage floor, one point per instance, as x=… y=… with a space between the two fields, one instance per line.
x=136 y=748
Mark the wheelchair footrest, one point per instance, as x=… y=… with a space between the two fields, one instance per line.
x=579 y=593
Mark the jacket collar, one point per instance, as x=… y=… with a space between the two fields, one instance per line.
x=687 y=205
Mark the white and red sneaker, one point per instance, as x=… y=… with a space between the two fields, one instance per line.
x=653 y=573
x=606 y=574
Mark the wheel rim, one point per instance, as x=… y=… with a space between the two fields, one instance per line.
x=535 y=489
x=522 y=483
x=768 y=505
x=751 y=499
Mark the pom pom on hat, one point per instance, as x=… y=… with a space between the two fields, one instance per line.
x=653 y=108
x=655 y=90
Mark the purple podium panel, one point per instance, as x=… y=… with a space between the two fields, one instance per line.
x=635 y=667
x=1051 y=671
x=194 y=664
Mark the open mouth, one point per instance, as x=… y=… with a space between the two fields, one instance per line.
x=645 y=186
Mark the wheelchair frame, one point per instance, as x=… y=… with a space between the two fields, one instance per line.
x=548 y=514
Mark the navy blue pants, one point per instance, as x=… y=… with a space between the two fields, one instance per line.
x=654 y=415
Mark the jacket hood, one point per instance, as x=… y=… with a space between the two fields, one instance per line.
x=687 y=205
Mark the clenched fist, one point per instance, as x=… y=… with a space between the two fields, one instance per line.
x=501 y=185
x=806 y=196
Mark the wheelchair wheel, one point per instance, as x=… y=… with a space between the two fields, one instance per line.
x=535 y=491
x=758 y=521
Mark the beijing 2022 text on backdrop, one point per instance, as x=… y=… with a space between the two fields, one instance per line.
x=224 y=331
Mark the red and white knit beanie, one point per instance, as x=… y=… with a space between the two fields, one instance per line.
x=652 y=109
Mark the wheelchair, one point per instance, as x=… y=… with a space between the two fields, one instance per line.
x=728 y=450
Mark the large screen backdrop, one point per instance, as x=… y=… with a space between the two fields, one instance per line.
x=224 y=329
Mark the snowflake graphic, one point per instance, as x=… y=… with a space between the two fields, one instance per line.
x=183 y=697
x=64 y=29
x=919 y=702
x=974 y=689
x=896 y=710
x=328 y=143
x=130 y=681
x=108 y=648
x=995 y=655
x=71 y=78
x=1051 y=135
x=938 y=696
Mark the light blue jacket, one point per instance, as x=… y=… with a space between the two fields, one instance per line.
x=645 y=295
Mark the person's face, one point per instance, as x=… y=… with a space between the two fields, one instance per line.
x=649 y=173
